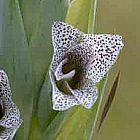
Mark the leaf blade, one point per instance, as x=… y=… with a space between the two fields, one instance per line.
x=109 y=100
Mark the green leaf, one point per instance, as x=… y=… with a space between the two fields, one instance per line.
x=41 y=48
x=109 y=100
x=30 y=12
x=25 y=55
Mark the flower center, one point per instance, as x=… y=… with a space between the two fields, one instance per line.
x=72 y=69
x=74 y=64
x=69 y=72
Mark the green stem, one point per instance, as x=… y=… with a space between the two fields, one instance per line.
x=92 y=16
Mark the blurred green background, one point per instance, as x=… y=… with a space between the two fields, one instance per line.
x=123 y=119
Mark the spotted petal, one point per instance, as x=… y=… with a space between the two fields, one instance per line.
x=106 y=50
x=4 y=85
x=8 y=133
x=11 y=113
x=64 y=36
x=60 y=100
x=10 y=118
x=87 y=94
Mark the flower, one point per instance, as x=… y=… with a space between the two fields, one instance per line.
x=79 y=62
x=10 y=115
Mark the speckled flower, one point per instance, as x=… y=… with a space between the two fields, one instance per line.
x=79 y=62
x=9 y=113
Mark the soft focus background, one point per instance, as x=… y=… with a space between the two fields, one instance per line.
x=122 y=17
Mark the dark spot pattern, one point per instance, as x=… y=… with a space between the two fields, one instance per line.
x=82 y=58
x=106 y=50
x=86 y=94
x=63 y=37
x=10 y=120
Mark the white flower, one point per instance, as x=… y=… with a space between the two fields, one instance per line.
x=79 y=62
x=10 y=118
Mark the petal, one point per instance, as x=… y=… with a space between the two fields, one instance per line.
x=106 y=50
x=11 y=113
x=61 y=101
x=4 y=84
x=8 y=133
x=64 y=36
x=86 y=95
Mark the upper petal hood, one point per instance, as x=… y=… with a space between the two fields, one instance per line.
x=64 y=36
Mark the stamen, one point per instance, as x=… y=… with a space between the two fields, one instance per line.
x=59 y=73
